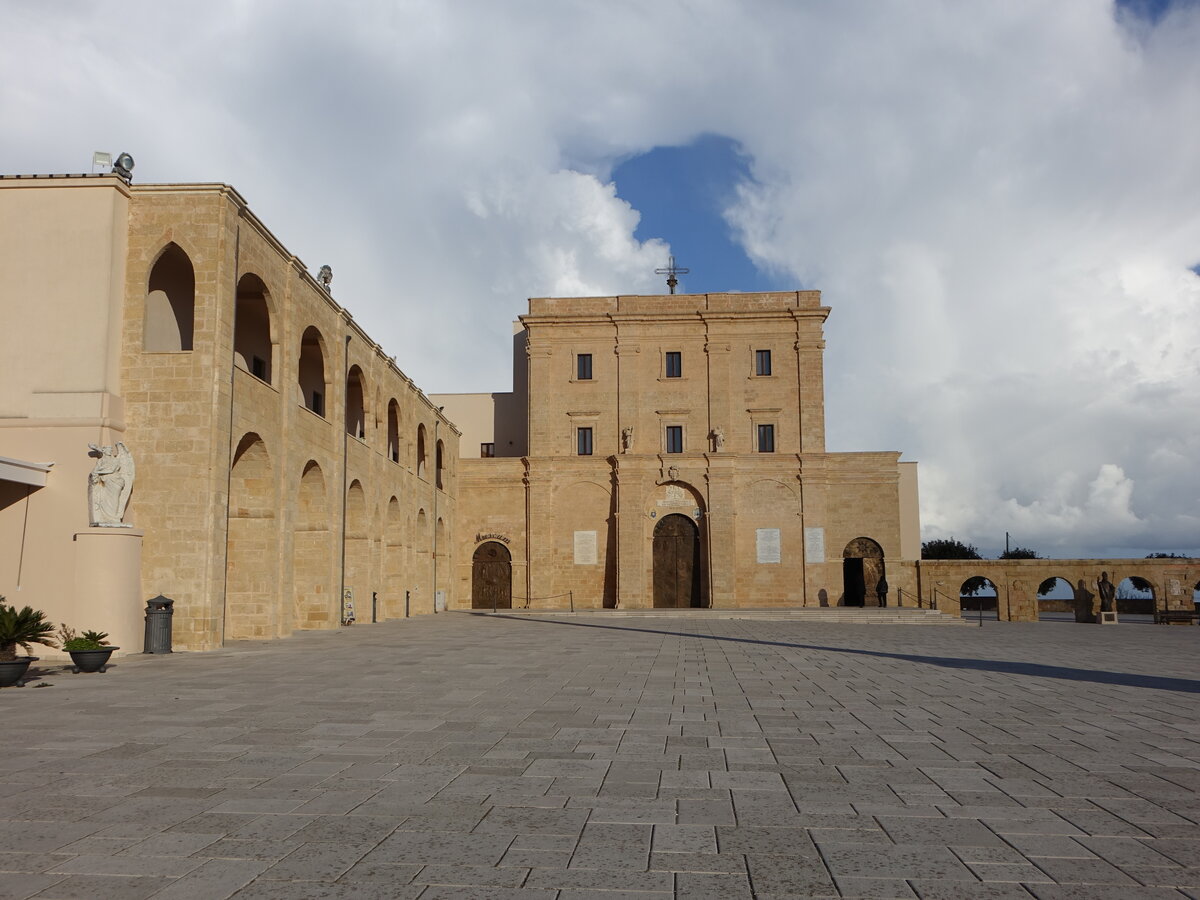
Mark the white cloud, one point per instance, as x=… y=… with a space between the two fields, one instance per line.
x=998 y=200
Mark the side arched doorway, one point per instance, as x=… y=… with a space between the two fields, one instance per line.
x=491 y=577
x=677 y=563
x=862 y=570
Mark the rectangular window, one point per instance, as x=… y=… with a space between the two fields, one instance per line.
x=766 y=438
x=318 y=404
x=258 y=367
x=674 y=438
x=762 y=362
x=583 y=367
x=583 y=441
x=674 y=364
x=487 y=451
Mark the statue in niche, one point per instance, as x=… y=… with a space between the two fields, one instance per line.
x=718 y=439
x=110 y=484
x=1107 y=592
x=626 y=438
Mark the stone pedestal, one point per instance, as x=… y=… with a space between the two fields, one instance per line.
x=108 y=586
x=1107 y=618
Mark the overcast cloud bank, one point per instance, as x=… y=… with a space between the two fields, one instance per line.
x=998 y=201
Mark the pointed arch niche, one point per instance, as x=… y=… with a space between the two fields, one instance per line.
x=252 y=545
x=170 y=310
x=312 y=552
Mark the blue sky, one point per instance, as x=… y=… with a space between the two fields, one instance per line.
x=682 y=193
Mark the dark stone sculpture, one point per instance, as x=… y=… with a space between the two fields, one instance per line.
x=1108 y=593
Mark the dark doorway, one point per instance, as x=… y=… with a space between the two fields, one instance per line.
x=854 y=583
x=491 y=577
x=862 y=572
x=677 y=568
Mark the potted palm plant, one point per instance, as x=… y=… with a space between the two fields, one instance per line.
x=89 y=651
x=20 y=627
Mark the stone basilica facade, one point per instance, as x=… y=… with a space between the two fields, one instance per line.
x=669 y=451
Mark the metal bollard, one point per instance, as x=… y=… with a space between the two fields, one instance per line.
x=159 y=612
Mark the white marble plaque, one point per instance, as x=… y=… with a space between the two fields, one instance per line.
x=814 y=545
x=766 y=542
x=585 y=548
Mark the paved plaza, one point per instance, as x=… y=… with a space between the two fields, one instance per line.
x=465 y=756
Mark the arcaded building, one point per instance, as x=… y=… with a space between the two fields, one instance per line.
x=288 y=474
x=669 y=451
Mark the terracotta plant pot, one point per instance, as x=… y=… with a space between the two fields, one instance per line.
x=91 y=660
x=12 y=671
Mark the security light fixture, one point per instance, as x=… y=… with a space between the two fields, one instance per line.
x=123 y=167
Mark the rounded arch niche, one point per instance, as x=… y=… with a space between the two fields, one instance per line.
x=862 y=572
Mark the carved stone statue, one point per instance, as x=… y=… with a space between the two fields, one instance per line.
x=1108 y=593
x=718 y=439
x=626 y=438
x=109 y=485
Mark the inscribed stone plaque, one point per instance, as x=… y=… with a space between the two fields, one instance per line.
x=585 y=548
x=814 y=545
x=766 y=542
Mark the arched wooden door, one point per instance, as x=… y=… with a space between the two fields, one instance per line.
x=491 y=577
x=677 y=567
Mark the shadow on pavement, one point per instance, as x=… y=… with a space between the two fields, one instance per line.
x=1125 y=679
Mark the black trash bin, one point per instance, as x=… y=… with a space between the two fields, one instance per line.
x=159 y=612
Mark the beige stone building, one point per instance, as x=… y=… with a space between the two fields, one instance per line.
x=284 y=464
x=656 y=451
x=673 y=455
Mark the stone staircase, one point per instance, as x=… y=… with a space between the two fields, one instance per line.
x=844 y=615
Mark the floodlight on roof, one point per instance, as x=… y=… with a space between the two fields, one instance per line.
x=123 y=167
x=102 y=159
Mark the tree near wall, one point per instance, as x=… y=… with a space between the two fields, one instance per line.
x=948 y=548
x=1019 y=553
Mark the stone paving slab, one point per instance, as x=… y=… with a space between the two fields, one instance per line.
x=605 y=757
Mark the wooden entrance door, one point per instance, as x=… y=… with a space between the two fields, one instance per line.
x=491 y=577
x=677 y=568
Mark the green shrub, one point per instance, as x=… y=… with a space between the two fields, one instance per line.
x=23 y=627
x=89 y=640
x=82 y=643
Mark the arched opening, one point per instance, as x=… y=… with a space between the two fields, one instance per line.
x=358 y=552
x=394 y=561
x=252 y=347
x=252 y=566
x=356 y=420
x=312 y=552
x=1056 y=599
x=1135 y=597
x=678 y=566
x=491 y=577
x=979 y=598
x=863 y=572
x=393 y=432
x=439 y=460
x=170 y=309
x=421 y=450
x=311 y=371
